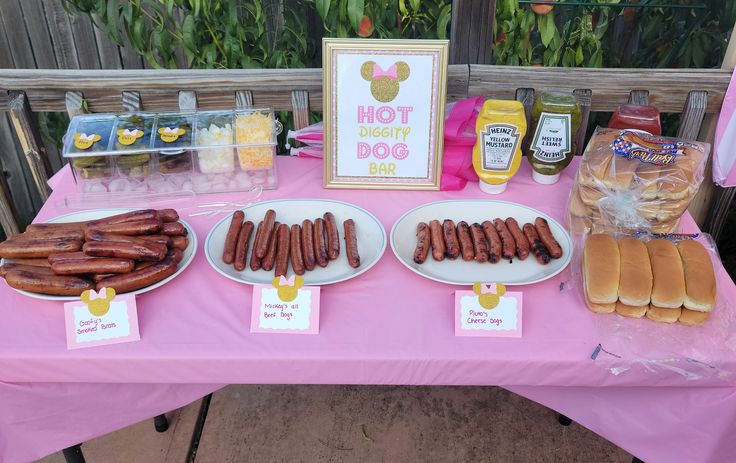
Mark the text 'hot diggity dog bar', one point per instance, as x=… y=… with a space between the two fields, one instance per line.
x=125 y=252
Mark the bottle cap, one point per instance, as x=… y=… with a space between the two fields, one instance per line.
x=492 y=189
x=545 y=179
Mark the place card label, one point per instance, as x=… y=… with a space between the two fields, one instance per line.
x=472 y=318
x=100 y=319
x=286 y=306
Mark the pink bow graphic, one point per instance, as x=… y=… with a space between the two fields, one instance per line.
x=95 y=295
x=84 y=136
x=390 y=72
x=488 y=289
x=170 y=130
x=133 y=132
x=283 y=281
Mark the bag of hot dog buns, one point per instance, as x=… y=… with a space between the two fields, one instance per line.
x=656 y=303
x=629 y=180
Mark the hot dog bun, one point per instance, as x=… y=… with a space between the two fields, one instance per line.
x=692 y=317
x=663 y=314
x=700 y=280
x=601 y=269
x=630 y=310
x=668 y=287
x=599 y=308
x=635 y=282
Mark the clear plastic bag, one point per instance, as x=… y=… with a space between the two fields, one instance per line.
x=699 y=352
x=630 y=180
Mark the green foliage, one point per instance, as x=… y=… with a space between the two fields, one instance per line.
x=407 y=19
x=202 y=33
x=598 y=36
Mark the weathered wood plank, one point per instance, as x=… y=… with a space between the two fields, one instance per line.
x=132 y=101
x=8 y=220
x=668 y=88
x=61 y=34
x=24 y=197
x=73 y=102
x=38 y=33
x=188 y=100
x=639 y=97
x=129 y=58
x=30 y=141
x=584 y=97
x=471 y=31
x=18 y=41
x=84 y=35
x=6 y=58
x=243 y=99
x=692 y=115
x=159 y=88
x=107 y=50
x=300 y=108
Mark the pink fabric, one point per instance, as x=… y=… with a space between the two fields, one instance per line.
x=457 y=161
x=724 y=151
x=389 y=326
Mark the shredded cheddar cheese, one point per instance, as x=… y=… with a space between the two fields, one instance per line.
x=251 y=129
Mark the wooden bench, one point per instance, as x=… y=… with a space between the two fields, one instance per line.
x=696 y=93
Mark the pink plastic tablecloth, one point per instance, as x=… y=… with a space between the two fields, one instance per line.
x=389 y=326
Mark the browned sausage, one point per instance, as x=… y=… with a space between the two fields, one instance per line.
x=124 y=250
x=142 y=240
x=44 y=283
x=142 y=265
x=480 y=243
x=547 y=238
x=35 y=227
x=160 y=239
x=495 y=248
x=139 y=227
x=241 y=247
x=452 y=245
x=37 y=262
x=295 y=250
x=282 y=252
x=255 y=261
x=174 y=228
x=181 y=242
x=465 y=240
x=269 y=260
x=9 y=266
x=94 y=265
x=261 y=246
x=308 y=244
x=50 y=235
x=133 y=216
x=176 y=254
x=522 y=243
x=437 y=238
x=423 y=243
x=141 y=278
x=33 y=248
x=333 y=237
x=168 y=215
x=67 y=257
x=320 y=243
x=508 y=244
x=537 y=247
x=101 y=276
x=351 y=243
x=231 y=239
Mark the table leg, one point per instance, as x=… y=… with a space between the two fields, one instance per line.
x=563 y=420
x=73 y=454
x=636 y=460
x=161 y=423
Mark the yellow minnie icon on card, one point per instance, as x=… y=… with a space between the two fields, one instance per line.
x=489 y=295
x=98 y=303
x=84 y=141
x=128 y=136
x=288 y=288
x=170 y=134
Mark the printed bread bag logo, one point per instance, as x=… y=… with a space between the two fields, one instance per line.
x=489 y=295
x=649 y=149
x=128 y=136
x=83 y=141
x=384 y=83
x=170 y=134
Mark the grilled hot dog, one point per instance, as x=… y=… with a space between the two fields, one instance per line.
x=308 y=244
x=44 y=283
x=241 y=247
x=231 y=239
x=537 y=247
x=333 y=238
x=465 y=240
x=423 y=243
x=351 y=243
x=452 y=245
x=295 y=249
x=140 y=278
x=282 y=252
x=547 y=238
x=522 y=243
x=480 y=243
x=320 y=243
x=261 y=247
x=437 y=238
x=495 y=247
x=508 y=244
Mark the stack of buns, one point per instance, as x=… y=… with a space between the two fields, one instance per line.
x=667 y=282
x=629 y=180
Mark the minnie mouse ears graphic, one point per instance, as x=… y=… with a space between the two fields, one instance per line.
x=384 y=82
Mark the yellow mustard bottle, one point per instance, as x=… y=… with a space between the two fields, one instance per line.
x=500 y=127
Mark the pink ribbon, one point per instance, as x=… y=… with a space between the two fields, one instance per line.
x=488 y=289
x=390 y=72
x=133 y=132
x=84 y=136
x=95 y=295
x=170 y=130
x=283 y=281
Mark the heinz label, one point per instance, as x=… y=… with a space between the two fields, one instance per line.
x=552 y=139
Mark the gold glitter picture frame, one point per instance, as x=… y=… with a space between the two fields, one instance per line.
x=384 y=108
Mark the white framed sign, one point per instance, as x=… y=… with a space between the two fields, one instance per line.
x=384 y=107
